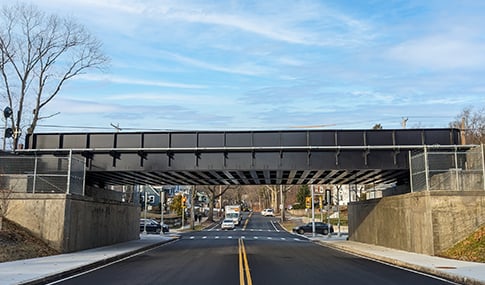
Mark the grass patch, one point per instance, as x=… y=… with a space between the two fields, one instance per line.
x=290 y=224
x=470 y=249
x=17 y=243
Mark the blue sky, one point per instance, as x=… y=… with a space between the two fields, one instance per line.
x=233 y=65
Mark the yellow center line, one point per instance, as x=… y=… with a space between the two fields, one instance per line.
x=241 y=268
x=244 y=265
x=247 y=221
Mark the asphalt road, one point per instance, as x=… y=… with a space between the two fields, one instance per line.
x=257 y=252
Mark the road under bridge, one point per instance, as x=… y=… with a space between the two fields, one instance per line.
x=245 y=157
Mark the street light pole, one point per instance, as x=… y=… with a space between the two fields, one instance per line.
x=313 y=211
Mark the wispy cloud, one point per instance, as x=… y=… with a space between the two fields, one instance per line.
x=132 y=81
x=243 y=69
x=290 y=25
x=441 y=52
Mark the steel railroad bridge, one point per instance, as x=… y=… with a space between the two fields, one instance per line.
x=244 y=157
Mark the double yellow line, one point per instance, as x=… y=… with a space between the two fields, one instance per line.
x=243 y=265
x=247 y=221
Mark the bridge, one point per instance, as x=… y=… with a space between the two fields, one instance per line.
x=244 y=157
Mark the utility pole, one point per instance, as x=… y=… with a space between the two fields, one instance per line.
x=162 y=208
x=463 y=131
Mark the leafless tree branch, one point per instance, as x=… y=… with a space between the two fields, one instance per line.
x=39 y=53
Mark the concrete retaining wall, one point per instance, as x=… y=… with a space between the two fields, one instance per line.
x=70 y=223
x=422 y=222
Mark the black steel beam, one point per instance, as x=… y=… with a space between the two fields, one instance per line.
x=244 y=157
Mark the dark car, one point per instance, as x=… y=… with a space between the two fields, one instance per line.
x=152 y=226
x=321 y=228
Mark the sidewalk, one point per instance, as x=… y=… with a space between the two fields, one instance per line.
x=462 y=272
x=45 y=269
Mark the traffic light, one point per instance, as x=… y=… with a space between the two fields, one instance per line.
x=184 y=202
x=308 y=202
x=7 y=112
x=8 y=132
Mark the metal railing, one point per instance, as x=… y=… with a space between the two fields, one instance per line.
x=43 y=174
x=458 y=170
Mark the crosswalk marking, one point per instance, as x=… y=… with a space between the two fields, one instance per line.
x=267 y=238
x=243 y=230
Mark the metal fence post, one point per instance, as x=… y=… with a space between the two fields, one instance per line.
x=69 y=172
x=426 y=168
x=411 y=171
x=84 y=177
x=483 y=167
x=456 y=170
x=35 y=175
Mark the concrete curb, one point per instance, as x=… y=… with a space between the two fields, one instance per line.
x=94 y=264
x=424 y=269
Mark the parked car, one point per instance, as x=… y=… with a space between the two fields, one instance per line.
x=267 y=212
x=321 y=228
x=228 y=224
x=152 y=226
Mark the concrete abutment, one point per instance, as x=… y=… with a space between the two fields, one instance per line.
x=425 y=222
x=71 y=223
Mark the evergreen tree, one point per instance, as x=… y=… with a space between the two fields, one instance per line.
x=302 y=193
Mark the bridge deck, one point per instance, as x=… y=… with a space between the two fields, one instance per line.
x=245 y=157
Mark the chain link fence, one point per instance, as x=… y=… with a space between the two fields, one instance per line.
x=459 y=170
x=43 y=174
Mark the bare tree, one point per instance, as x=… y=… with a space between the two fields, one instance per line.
x=377 y=127
x=38 y=54
x=214 y=193
x=278 y=192
x=472 y=123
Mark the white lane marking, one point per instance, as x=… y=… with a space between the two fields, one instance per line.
x=274 y=226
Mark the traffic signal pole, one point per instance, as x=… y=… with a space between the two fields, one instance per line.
x=162 y=208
